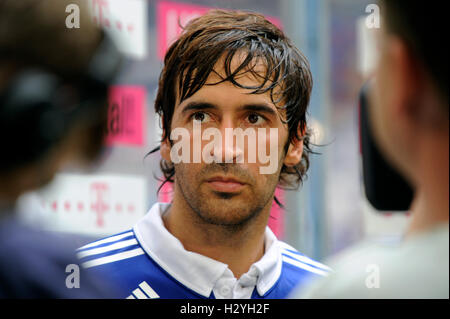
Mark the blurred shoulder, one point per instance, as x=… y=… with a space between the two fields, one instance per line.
x=414 y=268
x=36 y=264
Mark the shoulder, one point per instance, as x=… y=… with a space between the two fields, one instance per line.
x=347 y=278
x=297 y=270
x=111 y=249
x=296 y=262
x=381 y=270
x=34 y=264
x=122 y=262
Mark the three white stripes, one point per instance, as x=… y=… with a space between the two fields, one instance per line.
x=304 y=266
x=306 y=260
x=144 y=291
x=100 y=250
x=112 y=258
x=107 y=240
x=303 y=261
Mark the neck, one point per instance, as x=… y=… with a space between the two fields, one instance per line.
x=427 y=213
x=430 y=207
x=237 y=246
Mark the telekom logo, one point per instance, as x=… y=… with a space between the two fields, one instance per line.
x=97 y=201
x=99 y=206
x=101 y=11
x=100 y=4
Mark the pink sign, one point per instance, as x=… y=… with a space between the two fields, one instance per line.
x=165 y=193
x=172 y=15
x=276 y=218
x=126 y=115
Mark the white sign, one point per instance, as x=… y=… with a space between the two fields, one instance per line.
x=90 y=204
x=367 y=50
x=125 y=21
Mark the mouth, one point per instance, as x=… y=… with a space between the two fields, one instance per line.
x=225 y=184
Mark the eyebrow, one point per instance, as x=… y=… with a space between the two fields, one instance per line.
x=259 y=108
x=200 y=106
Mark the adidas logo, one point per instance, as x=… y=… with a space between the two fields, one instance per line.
x=144 y=291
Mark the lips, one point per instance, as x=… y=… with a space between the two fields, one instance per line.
x=225 y=184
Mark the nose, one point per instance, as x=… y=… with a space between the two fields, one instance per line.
x=228 y=151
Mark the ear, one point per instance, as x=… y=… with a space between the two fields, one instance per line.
x=165 y=150
x=165 y=147
x=407 y=80
x=295 y=150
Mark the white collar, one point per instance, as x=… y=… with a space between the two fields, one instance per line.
x=197 y=272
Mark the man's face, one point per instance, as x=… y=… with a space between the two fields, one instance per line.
x=230 y=193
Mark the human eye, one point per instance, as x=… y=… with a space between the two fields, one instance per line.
x=200 y=117
x=255 y=119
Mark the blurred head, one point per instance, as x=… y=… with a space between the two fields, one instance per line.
x=232 y=70
x=410 y=99
x=48 y=112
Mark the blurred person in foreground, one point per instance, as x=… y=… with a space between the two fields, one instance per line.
x=409 y=116
x=53 y=90
x=228 y=70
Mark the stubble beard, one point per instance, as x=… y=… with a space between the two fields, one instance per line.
x=224 y=210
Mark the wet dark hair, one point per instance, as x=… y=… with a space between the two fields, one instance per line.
x=33 y=37
x=420 y=25
x=223 y=34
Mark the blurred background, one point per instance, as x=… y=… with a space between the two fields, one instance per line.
x=327 y=214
